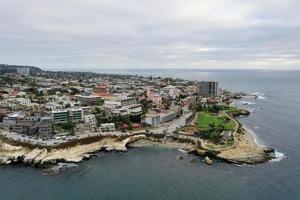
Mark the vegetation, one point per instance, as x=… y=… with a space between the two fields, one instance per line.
x=68 y=105
x=213 y=132
x=205 y=119
x=68 y=126
x=145 y=105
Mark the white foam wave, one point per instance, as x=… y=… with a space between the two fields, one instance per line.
x=254 y=136
x=278 y=156
x=261 y=97
x=258 y=95
x=247 y=103
x=183 y=151
x=255 y=93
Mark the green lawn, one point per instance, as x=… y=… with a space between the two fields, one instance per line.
x=205 y=118
x=230 y=109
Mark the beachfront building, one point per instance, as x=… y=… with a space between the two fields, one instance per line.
x=70 y=115
x=208 y=88
x=60 y=116
x=107 y=127
x=45 y=126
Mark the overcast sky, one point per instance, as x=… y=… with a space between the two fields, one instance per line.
x=204 y=34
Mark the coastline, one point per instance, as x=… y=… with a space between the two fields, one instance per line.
x=245 y=151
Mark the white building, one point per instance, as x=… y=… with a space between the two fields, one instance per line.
x=170 y=91
x=107 y=127
x=157 y=118
x=90 y=122
x=152 y=119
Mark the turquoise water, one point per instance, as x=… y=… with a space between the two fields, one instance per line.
x=154 y=173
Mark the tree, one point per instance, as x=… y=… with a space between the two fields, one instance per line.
x=145 y=105
x=68 y=105
x=213 y=132
x=68 y=126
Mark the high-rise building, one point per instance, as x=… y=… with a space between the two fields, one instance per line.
x=208 y=88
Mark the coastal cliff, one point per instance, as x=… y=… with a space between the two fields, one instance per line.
x=245 y=150
x=11 y=153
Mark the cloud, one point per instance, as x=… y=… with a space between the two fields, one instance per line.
x=95 y=34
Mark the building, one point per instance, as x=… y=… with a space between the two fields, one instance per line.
x=64 y=116
x=90 y=122
x=152 y=119
x=45 y=127
x=169 y=92
x=88 y=100
x=120 y=102
x=208 y=88
x=128 y=101
x=107 y=127
x=60 y=116
x=154 y=97
x=157 y=118
x=76 y=115
x=165 y=117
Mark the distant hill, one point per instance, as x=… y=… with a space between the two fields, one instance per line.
x=13 y=69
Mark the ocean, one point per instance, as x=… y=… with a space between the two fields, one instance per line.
x=155 y=173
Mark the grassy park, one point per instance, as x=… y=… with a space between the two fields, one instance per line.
x=205 y=119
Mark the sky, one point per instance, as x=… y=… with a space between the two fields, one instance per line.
x=120 y=34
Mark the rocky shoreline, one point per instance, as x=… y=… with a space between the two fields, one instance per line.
x=244 y=151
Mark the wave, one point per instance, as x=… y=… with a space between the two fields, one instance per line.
x=278 y=156
x=247 y=103
x=183 y=151
x=256 y=140
x=261 y=97
x=58 y=168
x=258 y=95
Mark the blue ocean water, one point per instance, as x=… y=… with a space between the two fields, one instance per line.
x=155 y=173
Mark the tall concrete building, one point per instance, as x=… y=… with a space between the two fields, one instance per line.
x=208 y=88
